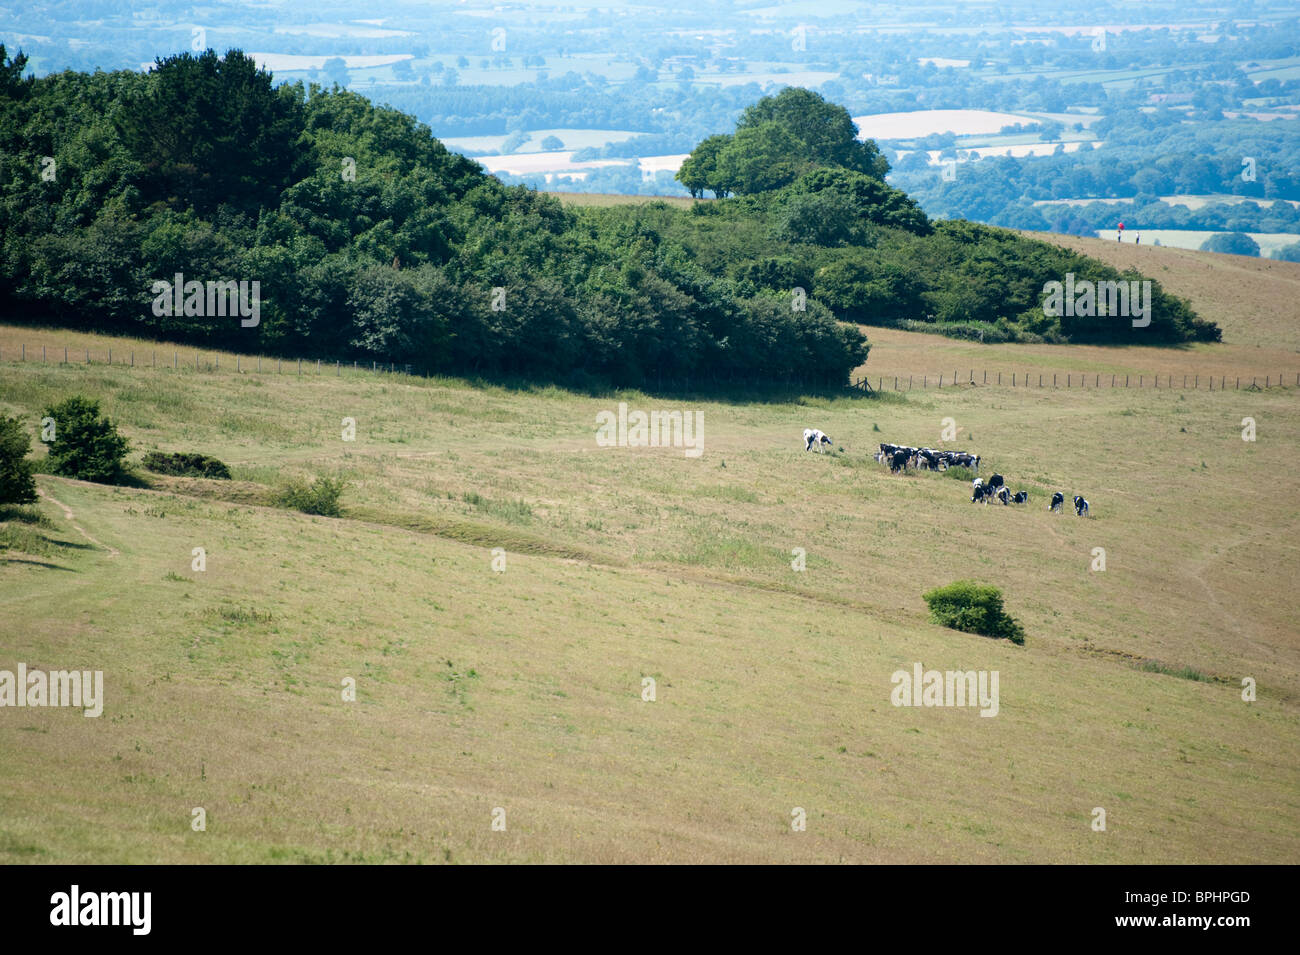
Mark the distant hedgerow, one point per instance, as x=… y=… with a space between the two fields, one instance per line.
x=973 y=608
x=186 y=465
x=319 y=497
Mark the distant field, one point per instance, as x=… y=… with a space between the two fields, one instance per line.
x=572 y=139
x=963 y=122
x=1269 y=242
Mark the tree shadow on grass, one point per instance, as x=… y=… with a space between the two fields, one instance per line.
x=35 y=563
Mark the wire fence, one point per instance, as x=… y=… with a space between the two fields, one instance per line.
x=1095 y=381
x=199 y=361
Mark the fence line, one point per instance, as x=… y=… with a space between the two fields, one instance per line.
x=883 y=383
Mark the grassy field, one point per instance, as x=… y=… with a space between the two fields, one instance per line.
x=521 y=689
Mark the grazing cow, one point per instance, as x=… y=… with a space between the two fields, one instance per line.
x=1022 y=497
x=1080 y=506
x=1057 y=500
x=812 y=437
x=899 y=461
x=1004 y=494
x=980 y=493
x=996 y=481
x=976 y=483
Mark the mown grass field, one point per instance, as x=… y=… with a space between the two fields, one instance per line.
x=522 y=689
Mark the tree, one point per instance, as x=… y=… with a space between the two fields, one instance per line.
x=552 y=143
x=514 y=141
x=1288 y=253
x=699 y=171
x=86 y=446
x=210 y=131
x=824 y=131
x=16 y=483
x=336 y=68
x=761 y=158
x=1232 y=243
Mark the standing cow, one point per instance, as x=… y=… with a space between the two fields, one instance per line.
x=814 y=438
x=1058 y=499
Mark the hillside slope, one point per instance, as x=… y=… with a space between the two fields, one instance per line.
x=522 y=689
x=1255 y=301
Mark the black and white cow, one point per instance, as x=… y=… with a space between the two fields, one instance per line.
x=996 y=481
x=980 y=493
x=1080 y=506
x=814 y=438
x=1058 y=499
x=1022 y=497
x=898 y=462
x=1004 y=494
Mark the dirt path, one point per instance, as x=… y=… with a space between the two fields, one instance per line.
x=67 y=513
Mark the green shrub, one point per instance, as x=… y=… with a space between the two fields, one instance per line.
x=86 y=446
x=17 y=486
x=186 y=465
x=973 y=608
x=319 y=497
x=959 y=473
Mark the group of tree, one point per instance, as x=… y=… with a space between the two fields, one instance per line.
x=368 y=239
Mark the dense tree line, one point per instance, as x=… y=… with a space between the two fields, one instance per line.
x=366 y=236
x=369 y=239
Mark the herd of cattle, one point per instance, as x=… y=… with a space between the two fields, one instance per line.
x=901 y=457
